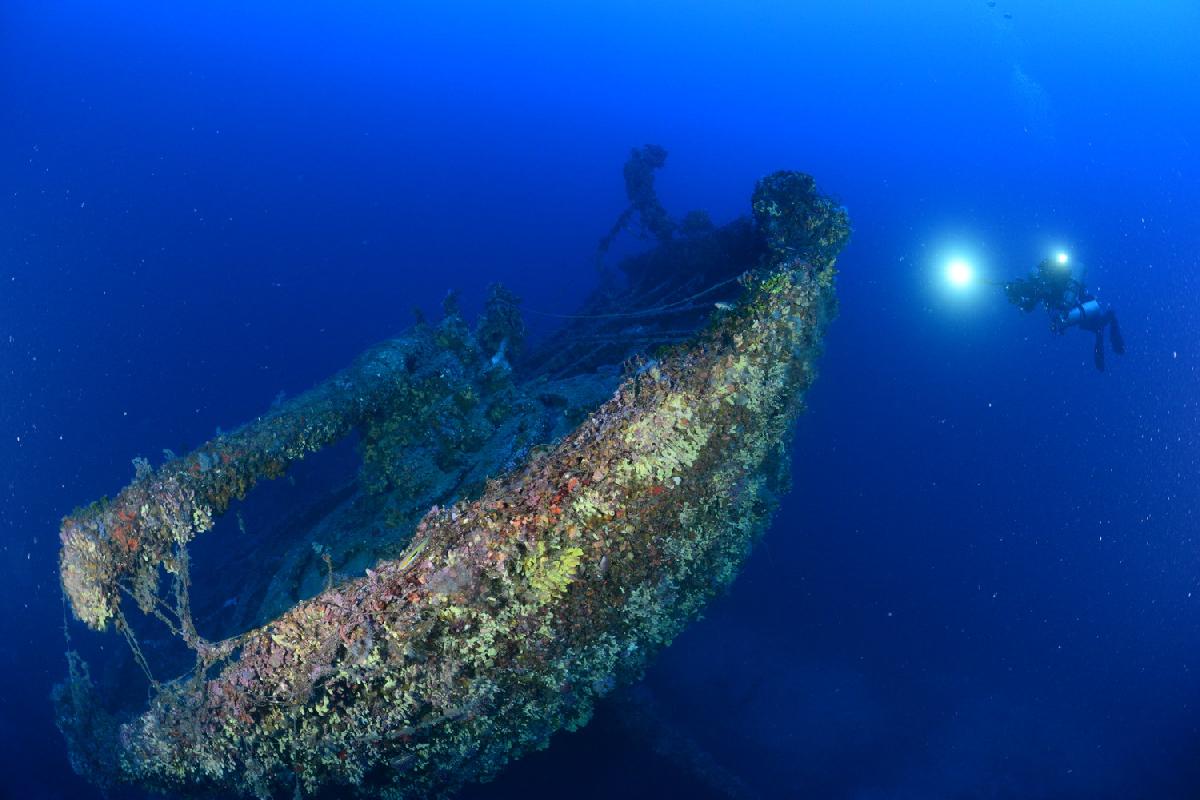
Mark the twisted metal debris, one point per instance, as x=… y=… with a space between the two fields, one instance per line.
x=509 y=614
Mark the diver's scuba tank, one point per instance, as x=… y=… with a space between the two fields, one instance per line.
x=1083 y=314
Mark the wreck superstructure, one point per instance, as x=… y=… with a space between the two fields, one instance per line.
x=555 y=571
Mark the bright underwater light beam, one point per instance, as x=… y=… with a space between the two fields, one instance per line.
x=1061 y=258
x=959 y=273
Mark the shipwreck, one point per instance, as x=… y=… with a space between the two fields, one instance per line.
x=528 y=524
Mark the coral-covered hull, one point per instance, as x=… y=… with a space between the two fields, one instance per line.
x=511 y=613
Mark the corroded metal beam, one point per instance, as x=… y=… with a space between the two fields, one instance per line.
x=120 y=544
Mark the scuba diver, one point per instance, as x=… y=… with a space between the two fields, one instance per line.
x=1068 y=303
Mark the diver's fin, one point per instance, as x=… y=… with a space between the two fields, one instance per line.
x=1098 y=352
x=1114 y=335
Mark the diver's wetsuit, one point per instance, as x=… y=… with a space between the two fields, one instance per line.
x=1069 y=304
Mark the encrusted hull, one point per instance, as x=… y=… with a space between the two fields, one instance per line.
x=509 y=614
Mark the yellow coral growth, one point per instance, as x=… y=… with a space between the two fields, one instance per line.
x=664 y=442
x=550 y=573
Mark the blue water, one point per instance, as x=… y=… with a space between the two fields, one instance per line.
x=985 y=581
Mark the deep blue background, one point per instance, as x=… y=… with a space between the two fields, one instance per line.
x=985 y=583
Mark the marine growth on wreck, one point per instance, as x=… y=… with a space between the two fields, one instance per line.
x=528 y=526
